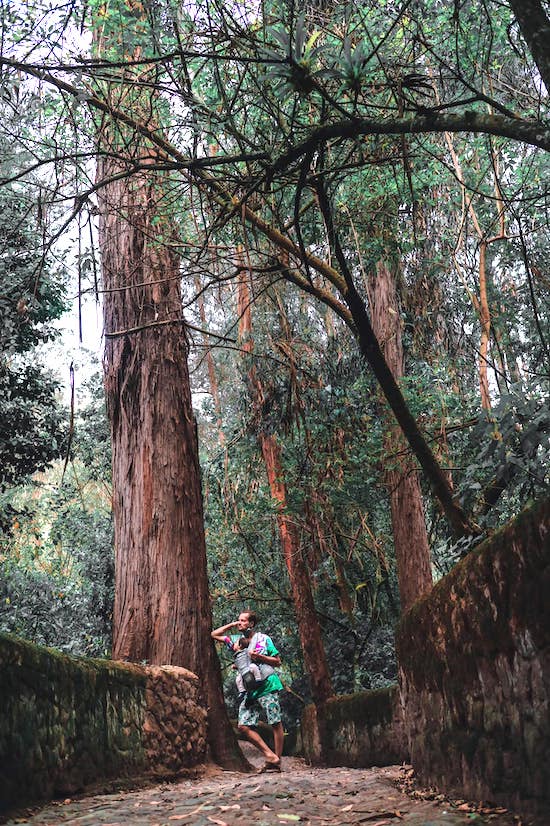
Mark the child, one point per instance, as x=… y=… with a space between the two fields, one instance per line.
x=249 y=676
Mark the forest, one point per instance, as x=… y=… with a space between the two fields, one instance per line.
x=318 y=236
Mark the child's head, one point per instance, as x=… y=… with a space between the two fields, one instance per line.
x=242 y=643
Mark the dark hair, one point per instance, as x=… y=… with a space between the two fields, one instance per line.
x=252 y=617
x=242 y=642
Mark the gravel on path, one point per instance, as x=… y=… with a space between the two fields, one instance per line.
x=300 y=794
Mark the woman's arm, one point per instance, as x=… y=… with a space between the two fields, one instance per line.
x=275 y=661
x=219 y=633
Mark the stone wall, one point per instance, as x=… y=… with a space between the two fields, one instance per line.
x=359 y=730
x=472 y=712
x=474 y=661
x=67 y=722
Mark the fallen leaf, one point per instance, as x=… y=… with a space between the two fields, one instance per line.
x=227 y=808
x=188 y=814
x=293 y=818
x=347 y=808
x=492 y=810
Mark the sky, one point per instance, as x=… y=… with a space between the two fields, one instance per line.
x=85 y=355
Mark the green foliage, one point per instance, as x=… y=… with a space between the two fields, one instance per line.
x=32 y=424
x=56 y=568
x=56 y=556
x=238 y=96
x=92 y=438
x=31 y=298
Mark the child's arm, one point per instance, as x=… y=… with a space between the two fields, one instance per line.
x=225 y=639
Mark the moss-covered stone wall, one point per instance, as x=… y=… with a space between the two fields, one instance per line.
x=364 y=729
x=474 y=658
x=67 y=722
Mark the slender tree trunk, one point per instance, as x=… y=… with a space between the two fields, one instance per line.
x=485 y=320
x=481 y=304
x=162 y=609
x=412 y=552
x=300 y=585
x=212 y=378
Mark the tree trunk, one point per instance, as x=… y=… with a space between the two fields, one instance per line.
x=308 y=624
x=412 y=552
x=309 y=630
x=535 y=28
x=212 y=378
x=485 y=321
x=162 y=609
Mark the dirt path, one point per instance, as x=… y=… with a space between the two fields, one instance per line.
x=300 y=795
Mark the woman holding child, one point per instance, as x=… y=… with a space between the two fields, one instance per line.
x=265 y=697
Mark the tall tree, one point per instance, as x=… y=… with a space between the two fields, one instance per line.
x=330 y=97
x=162 y=608
x=412 y=552
x=309 y=628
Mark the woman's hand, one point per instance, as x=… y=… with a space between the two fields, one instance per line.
x=256 y=657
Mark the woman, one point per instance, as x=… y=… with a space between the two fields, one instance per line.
x=264 y=700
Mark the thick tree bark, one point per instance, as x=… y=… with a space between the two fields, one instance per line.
x=162 y=611
x=162 y=608
x=412 y=552
x=309 y=630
